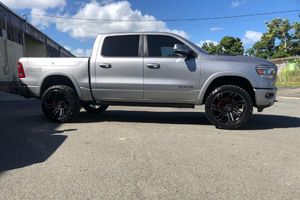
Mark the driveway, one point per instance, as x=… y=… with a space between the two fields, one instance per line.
x=289 y=92
x=148 y=153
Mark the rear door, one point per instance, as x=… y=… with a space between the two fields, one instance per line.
x=168 y=77
x=119 y=69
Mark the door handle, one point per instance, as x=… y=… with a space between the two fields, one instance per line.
x=153 y=66
x=105 y=65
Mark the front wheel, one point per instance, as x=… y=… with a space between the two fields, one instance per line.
x=60 y=103
x=229 y=107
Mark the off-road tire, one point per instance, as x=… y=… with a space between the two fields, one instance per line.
x=229 y=101
x=60 y=103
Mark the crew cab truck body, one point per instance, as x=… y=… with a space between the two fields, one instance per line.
x=150 y=69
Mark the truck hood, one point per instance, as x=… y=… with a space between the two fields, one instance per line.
x=238 y=58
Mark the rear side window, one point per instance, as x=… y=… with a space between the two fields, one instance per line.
x=161 y=46
x=121 y=46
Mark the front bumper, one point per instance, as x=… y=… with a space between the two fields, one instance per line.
x=20 y=89
x=265 y=97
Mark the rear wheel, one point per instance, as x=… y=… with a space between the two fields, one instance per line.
x=60 y=103
x=229 y=107
x=91 y=108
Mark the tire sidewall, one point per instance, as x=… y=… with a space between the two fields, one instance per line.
x=246 y=114
x=73 y=99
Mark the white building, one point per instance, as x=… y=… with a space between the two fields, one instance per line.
x=19 y=38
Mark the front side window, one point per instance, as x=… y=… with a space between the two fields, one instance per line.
x=121 y=46
x=161 y=46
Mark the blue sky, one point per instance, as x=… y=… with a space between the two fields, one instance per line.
x=78 y=35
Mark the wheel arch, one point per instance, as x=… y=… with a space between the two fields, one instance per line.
x=51 y=79
x=239 y=79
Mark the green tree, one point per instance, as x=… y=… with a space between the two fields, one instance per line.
x=296 y=38
x=280 y=40
x=212 y=48
x=227 y=45
x=262 y=49
x=232 y=45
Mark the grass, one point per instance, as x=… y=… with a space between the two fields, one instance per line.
x=287 y=84
x=288 y=78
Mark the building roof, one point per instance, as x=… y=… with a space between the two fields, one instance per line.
x=19 y=22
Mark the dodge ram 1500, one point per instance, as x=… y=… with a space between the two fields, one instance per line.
x=150 y=69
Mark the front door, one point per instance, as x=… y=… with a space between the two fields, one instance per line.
x=168 y=77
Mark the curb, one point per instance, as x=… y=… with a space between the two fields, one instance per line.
x=291 y=98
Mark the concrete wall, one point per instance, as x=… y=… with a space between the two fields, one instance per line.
x=34 y=48
x=281 y=65
x=9 y=62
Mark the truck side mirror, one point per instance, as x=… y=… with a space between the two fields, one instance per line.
x=181 y=50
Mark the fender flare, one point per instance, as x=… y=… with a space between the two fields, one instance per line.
x=67 y=75
x=222 y=74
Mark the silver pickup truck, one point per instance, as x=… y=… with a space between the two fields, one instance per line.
x=150 y=69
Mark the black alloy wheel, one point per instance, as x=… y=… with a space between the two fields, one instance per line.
x=229 y=107
x=60 y=103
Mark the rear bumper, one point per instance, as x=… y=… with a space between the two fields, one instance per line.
x=265 y=97
x=20 y=89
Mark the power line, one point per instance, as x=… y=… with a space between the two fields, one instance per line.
x=226 y=22
x=168 y=20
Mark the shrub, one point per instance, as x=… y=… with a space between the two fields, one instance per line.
x=289 y=76
x=297 y=64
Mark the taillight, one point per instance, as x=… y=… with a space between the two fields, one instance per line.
x=21 y=70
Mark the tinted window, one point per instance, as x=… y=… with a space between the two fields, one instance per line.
x=161 y=46
x=121 y=46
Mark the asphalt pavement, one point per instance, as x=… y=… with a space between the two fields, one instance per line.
x=148 y=153
x=289 y=92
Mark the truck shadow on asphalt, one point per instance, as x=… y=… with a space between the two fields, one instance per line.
x=195 y=118
x=257 y=121
x=26 y=136
x=264 y=122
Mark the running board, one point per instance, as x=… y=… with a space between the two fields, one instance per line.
x=172 y=105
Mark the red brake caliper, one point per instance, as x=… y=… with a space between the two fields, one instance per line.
x=221 y=101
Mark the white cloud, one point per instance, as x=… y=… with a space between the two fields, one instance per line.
x=178 y=32
x=41 y=4
x=237 y=3
x=200 y=44
x=79 y=52
x=251 y=37
x=216 y=28
x=80 y=3
x=38 y=18
x=112 y=12
x=106 y=1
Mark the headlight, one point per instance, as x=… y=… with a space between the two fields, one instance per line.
x=266 y=72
